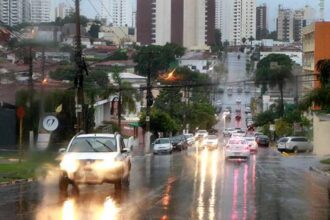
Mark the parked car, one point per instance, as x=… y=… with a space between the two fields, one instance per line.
x=211 y=142
x=237 y=148
x=239 y=89
x=190 y=138
x=179 y=142
x=295 y=144
x=247 y=110
x=251 y=141
x=262 y=140
x=162 y=145
x=94 y=159
x=238 y=101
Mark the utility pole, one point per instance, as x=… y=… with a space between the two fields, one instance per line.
x=150 y=101
x=43 y=82
x=79 y=77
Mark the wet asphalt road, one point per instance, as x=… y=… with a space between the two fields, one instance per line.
x=185 y=185
x=188 y=185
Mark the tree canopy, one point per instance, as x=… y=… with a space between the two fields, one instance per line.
x=161 y=57
x=274 y=70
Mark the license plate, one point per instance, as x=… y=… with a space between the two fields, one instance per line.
x=237 y=153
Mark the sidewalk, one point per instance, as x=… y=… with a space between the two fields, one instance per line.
x=321 y=168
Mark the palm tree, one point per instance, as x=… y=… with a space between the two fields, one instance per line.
x=323 y=66
x=320 y=96
x=127 y=96
x=274 y=70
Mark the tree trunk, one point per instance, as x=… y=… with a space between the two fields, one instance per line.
x=119 y=111
x=280 y=86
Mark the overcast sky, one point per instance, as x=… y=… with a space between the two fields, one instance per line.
x=87 y=9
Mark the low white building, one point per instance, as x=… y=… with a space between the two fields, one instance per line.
x=294 y=56
x=106 y=109
x=268 y=101
x=203 y=62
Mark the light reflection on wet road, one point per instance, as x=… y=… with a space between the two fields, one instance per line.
x=185 y=185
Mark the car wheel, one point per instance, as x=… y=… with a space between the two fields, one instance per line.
x=63 y=184
x=75 y=190
x=118 y=185
x=295 y=150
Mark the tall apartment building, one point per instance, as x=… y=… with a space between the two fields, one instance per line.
x=189 y=23
x=237 y=20
x=121 y=11
x=290 y=23
x=261 y=22
x=315 y=39
x=63 y=10
x=11 y=12
x=40 y=11
x=27 y=11
x=284 y=24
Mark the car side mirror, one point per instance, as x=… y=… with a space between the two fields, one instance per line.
x=125 y=150
x=61 y=150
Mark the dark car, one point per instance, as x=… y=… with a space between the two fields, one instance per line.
x=262 y=140
x=179 y=142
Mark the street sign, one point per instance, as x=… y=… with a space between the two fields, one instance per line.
x=147 y=118
x=272 y=127
x=78 y=108
x=50 y=123
x=20 y=112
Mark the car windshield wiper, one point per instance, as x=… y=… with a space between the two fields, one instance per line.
x=104 y=145
x=90 y=144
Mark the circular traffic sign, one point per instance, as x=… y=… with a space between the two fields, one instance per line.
x=20 y=112
x=50 y=123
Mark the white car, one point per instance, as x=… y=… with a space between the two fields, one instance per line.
x=162 y=145
x=247 y=110
x=201 y=134
x=251 y=141
x=94 y=159
x=238 y=100
x=211 y=142
x=238 y=133
x=237 y=148
x=228 y=131
x=190 y=138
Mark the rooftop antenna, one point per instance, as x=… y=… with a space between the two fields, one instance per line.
x=321 y=4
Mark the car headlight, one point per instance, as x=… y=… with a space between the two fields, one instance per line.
x=69 y=164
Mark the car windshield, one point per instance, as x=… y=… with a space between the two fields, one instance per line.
x=163 y=141
x=188 y=135
x=93 y=144
x=212 y=137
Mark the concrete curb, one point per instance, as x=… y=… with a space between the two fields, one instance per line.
x=13 y=182
x=319 y=171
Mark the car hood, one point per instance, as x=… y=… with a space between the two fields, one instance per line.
x=91 y=156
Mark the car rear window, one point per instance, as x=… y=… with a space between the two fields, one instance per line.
x=237 y=142
x=283 y=140
x=93 y=144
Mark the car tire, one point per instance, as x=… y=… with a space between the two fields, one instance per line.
x=118 y=185
x=63 y=184
x=75 y=190
x=295 y=149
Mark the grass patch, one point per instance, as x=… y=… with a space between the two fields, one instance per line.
x=27 y=168
x=326 y=161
